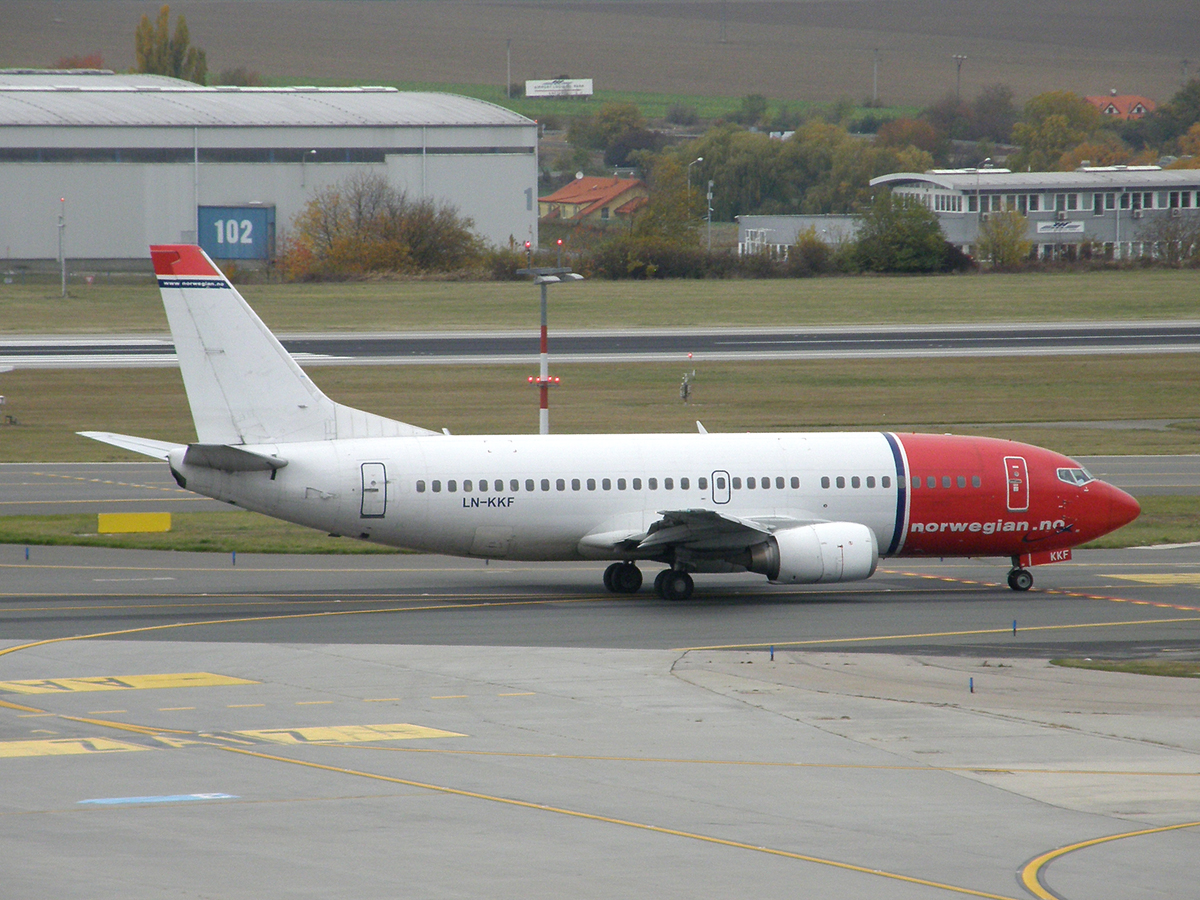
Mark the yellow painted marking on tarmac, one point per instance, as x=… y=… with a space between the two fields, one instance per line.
x=312 y=702
x=341 y=734
x=641 y=826
x=41 y=715
x=4 y=704
x=120 y=683
x=63 y=747
x=1031 y=875
x=450 y=697
x=106 y=712
x=1161 y=578
x=936 y=634
x=519 y=694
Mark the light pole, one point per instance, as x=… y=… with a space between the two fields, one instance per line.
x=62 y=259
x=698 y=159
x=959 y=59
x=545 y=276
x=710 y=187
x=508 y=68
x=303 y=159
x=875 y=79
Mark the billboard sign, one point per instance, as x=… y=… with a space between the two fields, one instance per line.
x=237 y=232
x=559 y=87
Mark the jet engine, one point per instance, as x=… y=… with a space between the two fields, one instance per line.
x=811 y=554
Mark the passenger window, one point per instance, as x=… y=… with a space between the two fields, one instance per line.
x=737 y=483
x=420 y=487
x=620 y=484
x=931 y=481
x=482 y=484
x=499 y=485
x=795 y=483
x=765 y=483
x=437 y=487
x=825 y=481
x=668 y=484
x=652 y=483
x=750 y=483
x=561 y=484
x=451 y=486
x=575 y=484
x=945 y=481
x=606 y=484
x=591 y=484
x=684 y=484
x=514 y=486
x=916 y=482
x=702 y=483
x=870 y=481
x=779 y=482
x=545 y=484
x=637 y=484
x=885 y=481
x=855 y=482
x=529 y=484
x=841 y=482
x=962 y=481
x=975 y=482
x=720 y=482
x=467 y=486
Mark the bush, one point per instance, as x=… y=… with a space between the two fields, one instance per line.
x=900 y=235
x=809 y=256
x=682 y=114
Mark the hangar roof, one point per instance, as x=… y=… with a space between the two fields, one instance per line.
x=99 y=99
x=1099 y=178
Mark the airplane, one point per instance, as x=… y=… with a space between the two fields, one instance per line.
x=798 y=508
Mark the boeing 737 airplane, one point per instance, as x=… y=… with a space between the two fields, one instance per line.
x=798 y=508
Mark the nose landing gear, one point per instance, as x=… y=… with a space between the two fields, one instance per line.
x=1020 y=579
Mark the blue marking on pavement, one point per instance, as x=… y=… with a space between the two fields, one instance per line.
x=168 y=798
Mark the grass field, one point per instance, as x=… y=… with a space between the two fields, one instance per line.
x=1165 y=667
x=814 y=51
x=980 y=396
x=37 y=308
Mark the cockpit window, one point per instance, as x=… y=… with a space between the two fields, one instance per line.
x=1075 y=476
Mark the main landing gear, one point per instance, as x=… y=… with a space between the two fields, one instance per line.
x=670 y=584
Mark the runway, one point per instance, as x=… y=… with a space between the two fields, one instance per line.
x=417 y=726
x=647 y=345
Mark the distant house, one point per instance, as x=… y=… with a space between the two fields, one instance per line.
x=1122 y=106
x=596 y=201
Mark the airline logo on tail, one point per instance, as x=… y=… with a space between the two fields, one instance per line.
x=182 y=266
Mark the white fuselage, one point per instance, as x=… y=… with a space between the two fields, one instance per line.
x=537 y=497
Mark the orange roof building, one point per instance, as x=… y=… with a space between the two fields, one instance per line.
x=594 y=200
x=1123 y=106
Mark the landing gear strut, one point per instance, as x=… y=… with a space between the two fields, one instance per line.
x=674 y=584
x=1020 y=579
x=623 y=578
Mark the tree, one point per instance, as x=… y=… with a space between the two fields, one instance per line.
x=1052 y=124
x=90 y=61
x=1002 y=239
x=995 y=114
x=158 y=53
x=898 y=234
x=901 y=133
x=364 y=225
x=667 y=215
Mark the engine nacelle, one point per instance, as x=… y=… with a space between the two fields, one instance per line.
x=813 y=554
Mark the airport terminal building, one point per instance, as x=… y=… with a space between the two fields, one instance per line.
x=131 y=160
x=1118 y=212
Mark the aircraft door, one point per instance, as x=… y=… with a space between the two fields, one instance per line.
x=720 y=486
x=374 y=490
x=1017 y=476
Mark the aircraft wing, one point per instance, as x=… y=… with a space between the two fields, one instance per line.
x=145 y=446
x=695 y=529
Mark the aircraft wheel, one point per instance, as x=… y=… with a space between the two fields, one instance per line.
x=659 y=580
x=677 y=585
x=610 y=577
x=627 y=579
x=1020 y=579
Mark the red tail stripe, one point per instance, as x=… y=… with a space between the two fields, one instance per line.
x=181 y=259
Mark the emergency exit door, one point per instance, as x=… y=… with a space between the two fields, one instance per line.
x=1018 y=483
x=374 y=490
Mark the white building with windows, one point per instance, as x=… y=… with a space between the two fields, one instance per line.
x=1118 y=212
x=138 y=159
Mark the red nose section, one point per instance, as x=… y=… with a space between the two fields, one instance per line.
x=1123 y=509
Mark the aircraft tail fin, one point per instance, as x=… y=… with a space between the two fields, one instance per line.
x=242 y=385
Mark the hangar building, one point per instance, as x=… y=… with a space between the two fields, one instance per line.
x=143 y=159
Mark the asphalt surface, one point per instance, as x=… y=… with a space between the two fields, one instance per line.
x=641 y=344
x=174 y=725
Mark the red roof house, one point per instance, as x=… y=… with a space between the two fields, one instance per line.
x=594 y=200
x=1123 y=106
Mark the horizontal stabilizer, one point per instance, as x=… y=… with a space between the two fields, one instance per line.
x=230 y=459
x=145 y=446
